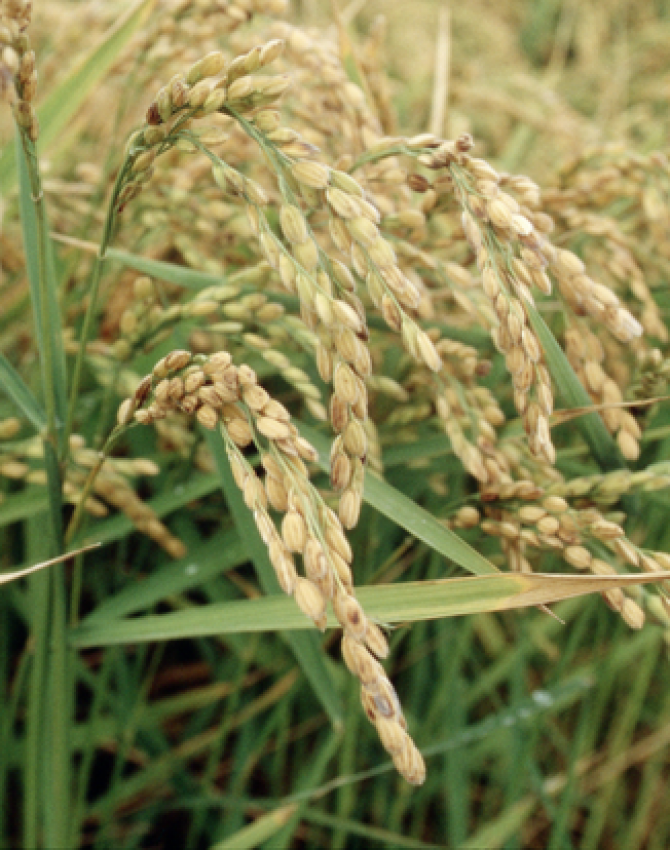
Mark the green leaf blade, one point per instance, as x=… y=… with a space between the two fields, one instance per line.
x=44 y=294
x=393 y=603
x=18 y=391
x=570 y=389
x=263 y=828
x=406 y=513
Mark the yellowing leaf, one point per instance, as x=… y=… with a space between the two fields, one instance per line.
x=392 y=603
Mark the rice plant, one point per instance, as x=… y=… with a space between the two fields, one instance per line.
x=316 y=376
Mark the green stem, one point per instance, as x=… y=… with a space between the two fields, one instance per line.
x=126 y=733
x=15 y=703
x=47 y=800
x=58 y=719
x=94 y=289
x=376 y=156
x=48 y=365
x=46 y=349
x=53 y=438
x=75 y=590
x=85 y=334
x=33 y=773
x=89 y=750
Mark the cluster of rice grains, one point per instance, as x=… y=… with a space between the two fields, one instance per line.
x=220 y=394
x=198 y=93
x=318 y=233
x=508 y=235
x=379 y=243
x=436 y=241
x=22 y=460
x=324 y=284
x=18 y=77
x=577 y=521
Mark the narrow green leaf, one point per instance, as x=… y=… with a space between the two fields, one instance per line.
x=33 y=774
x=312 y=774
x=421 y=449
x=407 y=514
x=390 y=603
x=178 y=275
x=495 y=834
x=221 y=553
x=55 y=494
x=13 y=385
x=44 y=287
x=57 y=111
x=191 y=278
x=306 y=647
x=23 y=505
x=59 y=717
x=549 y=701
x=570 y=389
x=373 y=835
x=259 y=831
x=31 y=247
